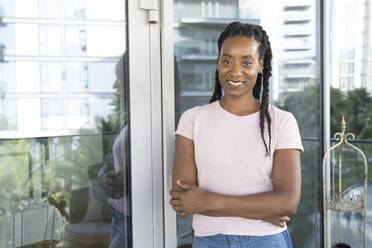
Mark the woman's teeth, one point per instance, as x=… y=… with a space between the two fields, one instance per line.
x=235 y=83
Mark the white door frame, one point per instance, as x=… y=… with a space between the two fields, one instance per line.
x=325 y=36
x=145 y=127
x=168 y=107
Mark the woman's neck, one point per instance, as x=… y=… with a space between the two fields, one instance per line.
x=240 y=106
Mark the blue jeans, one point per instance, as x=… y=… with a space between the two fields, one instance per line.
x=120 y=230
x=280 y=240
x=184 y=230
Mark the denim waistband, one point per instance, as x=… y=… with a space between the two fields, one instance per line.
x=280 y=240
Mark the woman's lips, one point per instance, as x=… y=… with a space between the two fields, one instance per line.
x=234 y=84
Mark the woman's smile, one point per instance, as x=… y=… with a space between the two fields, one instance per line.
x=234 y=84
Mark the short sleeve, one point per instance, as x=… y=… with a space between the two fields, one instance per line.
x=288 y=134
x=186 y=125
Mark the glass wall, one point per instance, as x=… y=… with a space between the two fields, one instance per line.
x=63 y=123
x=293 y=28
x=351 y=88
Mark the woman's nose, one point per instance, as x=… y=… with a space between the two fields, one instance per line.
x=236 y=69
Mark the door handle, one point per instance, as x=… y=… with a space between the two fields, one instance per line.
x=151 y=6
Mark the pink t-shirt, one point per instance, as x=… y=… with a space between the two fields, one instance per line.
x=231 y=159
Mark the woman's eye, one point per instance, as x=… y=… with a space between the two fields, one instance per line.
x=226 y=62
x=247 y=63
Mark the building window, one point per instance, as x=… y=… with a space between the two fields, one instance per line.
x=52 y=114
x=346 y=68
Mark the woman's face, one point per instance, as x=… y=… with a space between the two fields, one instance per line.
x=238 y=65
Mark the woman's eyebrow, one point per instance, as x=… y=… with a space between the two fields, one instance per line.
x=226 y=55
x=244 y=57
x=248 y=57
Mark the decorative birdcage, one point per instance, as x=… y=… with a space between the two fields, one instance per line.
x=335 y=199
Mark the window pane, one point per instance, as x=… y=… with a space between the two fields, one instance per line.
x=293 y=30
x=8 y=117
x=49 y=8
x=52 y=113
x=13 y=37
x=64 y=124
x=50 y=40
x=51 y=77
x=350 y=77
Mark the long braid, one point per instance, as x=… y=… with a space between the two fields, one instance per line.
x=257 y=87
x=217 y=94
x=267 y=72
x=262 y=81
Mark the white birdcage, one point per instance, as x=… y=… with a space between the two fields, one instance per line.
x=335 y=198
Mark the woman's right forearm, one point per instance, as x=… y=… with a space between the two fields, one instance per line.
x=184 y=167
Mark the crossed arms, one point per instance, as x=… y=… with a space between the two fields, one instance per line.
x=273 y=206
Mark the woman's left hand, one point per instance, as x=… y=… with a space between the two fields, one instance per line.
x=191 y=201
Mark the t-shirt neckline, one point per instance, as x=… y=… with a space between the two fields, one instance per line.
x=234 y=115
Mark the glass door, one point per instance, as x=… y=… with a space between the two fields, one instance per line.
x=74 y=150
x=294 y=32
x=350 y=87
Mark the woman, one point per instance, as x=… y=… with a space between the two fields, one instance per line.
x=112 y=177
x=237 y=159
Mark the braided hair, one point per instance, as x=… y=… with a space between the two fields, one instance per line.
x=261 y=88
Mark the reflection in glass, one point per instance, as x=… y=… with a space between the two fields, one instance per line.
x=49 y=8
x=75 y=40
x=63 y=117
x=77 y=112
x=76 y=77
x=51 y=77
x=52 y=113
x=293 y=30
x=26 y=39
x=75 y=9
x=8 y=117
x=50 y=40
x=71 y=9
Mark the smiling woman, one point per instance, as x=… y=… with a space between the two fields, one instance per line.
x=237 y=166
x=238 y=67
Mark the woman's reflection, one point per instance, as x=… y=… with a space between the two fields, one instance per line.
x=113 y=176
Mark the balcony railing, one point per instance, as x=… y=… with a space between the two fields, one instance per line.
x=31 y=156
